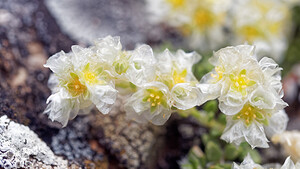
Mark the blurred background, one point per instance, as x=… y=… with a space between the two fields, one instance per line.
x=33 y=30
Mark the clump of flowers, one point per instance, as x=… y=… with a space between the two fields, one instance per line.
x=174 y=87
x=201 y=21
x=86 y=77
x=211 y=24
x=249 y=93
x=267 y=25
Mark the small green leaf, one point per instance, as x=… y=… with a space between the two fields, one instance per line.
x=213 y=152
x=231 y=152
x=211 y=106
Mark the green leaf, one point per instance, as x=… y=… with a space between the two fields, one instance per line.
x=213 y=152
x=211 y=106
x=231 y=152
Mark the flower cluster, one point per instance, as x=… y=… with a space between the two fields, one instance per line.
x=249 y=93
x=249 y=163
x=86 y=77
x=210 y=24
x=173 y=87
x=202 y=21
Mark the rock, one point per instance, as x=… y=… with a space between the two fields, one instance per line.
x=131 y=143
x=22 y=148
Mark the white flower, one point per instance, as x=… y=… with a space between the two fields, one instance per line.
x=238 y=77
x=92 y=73
x=68 y=93
x=150 y=103
x=267 y=25
x=141 y=65
x=249 y=93
x=185 y=96
x=176 y=72
x=248 y=163
x=108 y=48
x=80 y=81
x=290 y=142
x=174 y=87
x=136 y=66
x=251 y=124
x=173 y=69
x=201 y=21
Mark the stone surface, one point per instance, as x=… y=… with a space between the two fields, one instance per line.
x=22 y=148
x=131 y=143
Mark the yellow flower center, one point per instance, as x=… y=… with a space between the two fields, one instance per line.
x=203 y=18
x=240 y=82
x=74 y=87
x=249 y=114
x=176 y=3
x=179 y=77
x=251 y=32
x=219 y=73
x=155 y=98
x=89 y=77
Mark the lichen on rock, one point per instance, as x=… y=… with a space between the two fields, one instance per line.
x=22 y=148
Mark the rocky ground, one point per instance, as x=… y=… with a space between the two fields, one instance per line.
x=29 y=34
x=33 y=30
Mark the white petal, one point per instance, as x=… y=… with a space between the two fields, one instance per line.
x=186 y=60
x=185 y=96
x=140 y=111
x=209 y=92
x=262 y=98
x=142 y=66
x=60 y=63
x=59 y=109
x=277 y=123
x=233 y=132
x=248 y=163
x=231 y=104
x=255 y=136
x=103 y=96
x=288 y=164
x=236 y=132
x=108 y=48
